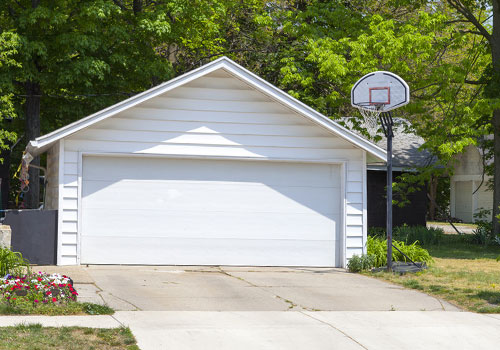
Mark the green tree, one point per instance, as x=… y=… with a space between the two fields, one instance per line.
x=484 y=16
x=80 y=56
x=9 y=43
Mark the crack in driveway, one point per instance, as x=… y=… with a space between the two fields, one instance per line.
x=291 y=304
x=337 y=329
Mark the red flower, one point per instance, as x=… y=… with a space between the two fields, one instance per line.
x=54 y=299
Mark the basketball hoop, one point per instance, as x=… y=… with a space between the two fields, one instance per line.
x=378 y=92
x=370 y=113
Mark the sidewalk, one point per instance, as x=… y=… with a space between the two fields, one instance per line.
x=344 y=330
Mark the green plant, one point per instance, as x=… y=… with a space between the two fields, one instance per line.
x=377 y=247
x=13 y=263
x=360 y=263
x=413 y=251
x=376 y=231
x=96 y=309
x=422 y=234
x=484 y=234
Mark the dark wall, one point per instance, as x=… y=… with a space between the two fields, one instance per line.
x=5 y=176
x=412 y=214
x=34 y=234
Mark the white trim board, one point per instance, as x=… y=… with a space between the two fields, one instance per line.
x=41 y=144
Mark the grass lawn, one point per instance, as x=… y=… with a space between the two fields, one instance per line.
x=458 y=224
x=73 y=308
x=36 y=337
x=464 y=274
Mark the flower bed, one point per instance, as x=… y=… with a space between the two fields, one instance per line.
x=37 y=289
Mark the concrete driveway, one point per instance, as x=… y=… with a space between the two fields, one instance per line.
x=191 y=288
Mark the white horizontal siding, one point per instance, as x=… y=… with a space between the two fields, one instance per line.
x=244 y=117
x=211 y=151
x=355 y=213
x=68 y=213
x=209 y=127
x=165 y=137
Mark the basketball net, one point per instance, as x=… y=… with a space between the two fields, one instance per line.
x=370 y=116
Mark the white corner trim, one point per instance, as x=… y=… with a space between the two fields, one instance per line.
x=60 y=202
x=233 y=68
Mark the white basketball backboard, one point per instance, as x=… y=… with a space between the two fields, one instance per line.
x=381 y=91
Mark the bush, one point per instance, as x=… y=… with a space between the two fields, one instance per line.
x=360 y=263
x=421 y=234
x=12 y=263
x=377 y=248
x=376 y=231
x=484 y=234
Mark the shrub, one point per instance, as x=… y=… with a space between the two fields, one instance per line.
x=376 y=231
x=360 y=263
x=421 y=234
x=484 y=234
x=12 y=263
x=377 y=247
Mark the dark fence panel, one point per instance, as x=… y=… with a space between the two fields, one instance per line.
x=412 y=214
x=34 y=234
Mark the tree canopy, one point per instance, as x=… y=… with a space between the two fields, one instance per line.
x=68 y=58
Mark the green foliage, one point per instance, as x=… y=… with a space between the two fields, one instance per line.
x=377 y=247
x=484 y=234
x=376 y=231
x=421 y=234
x=411 y=234
x=9 y=44
x=12 y=263
x=96 y=309
x=360 y=263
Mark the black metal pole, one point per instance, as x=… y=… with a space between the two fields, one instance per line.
x=389 y=191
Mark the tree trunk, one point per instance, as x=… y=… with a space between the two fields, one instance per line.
x=432 y=194
x=495 y=60
x=137 y=6
x=496 y=175
x=32 y=131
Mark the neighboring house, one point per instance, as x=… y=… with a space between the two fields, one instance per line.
x=469 y=192
x=215 y=167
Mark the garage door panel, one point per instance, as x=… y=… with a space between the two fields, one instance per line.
x=205 y=251
x=142 y=210
x=270 y=173
x=210 y=196
x=219 y=225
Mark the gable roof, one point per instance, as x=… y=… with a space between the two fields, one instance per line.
x=42 y=143
x=406 y=146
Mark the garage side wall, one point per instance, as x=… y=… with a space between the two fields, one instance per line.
x=214 y=116
x=356 y=203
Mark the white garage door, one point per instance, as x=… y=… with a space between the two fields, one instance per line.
x=141 y=210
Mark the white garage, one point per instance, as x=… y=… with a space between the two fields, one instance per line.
x=216 y=167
